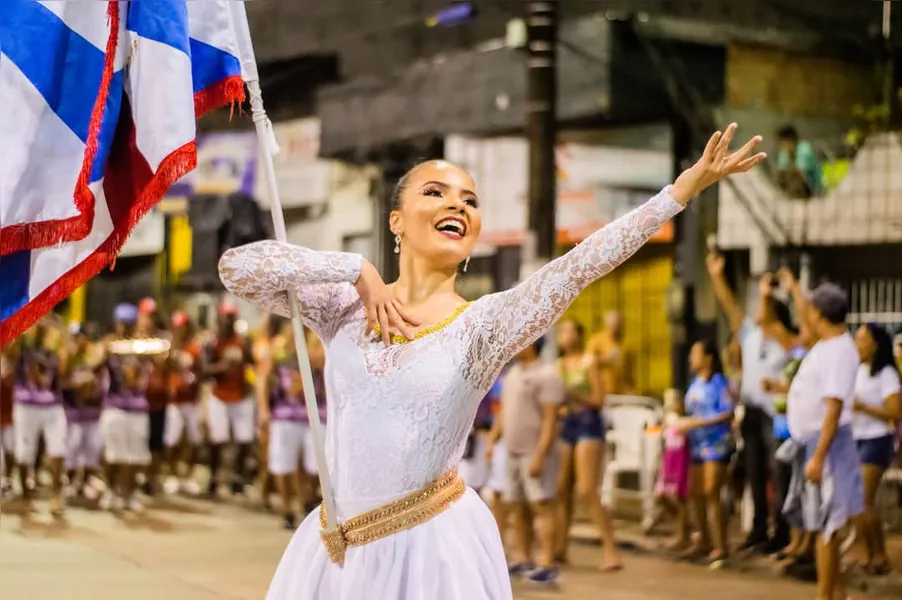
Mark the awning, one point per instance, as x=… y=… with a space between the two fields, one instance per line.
x=475 y=91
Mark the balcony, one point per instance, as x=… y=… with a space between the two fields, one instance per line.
x=864 y=206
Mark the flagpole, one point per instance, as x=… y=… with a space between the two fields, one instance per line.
x=266 y=138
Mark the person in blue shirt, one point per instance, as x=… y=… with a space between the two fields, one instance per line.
x=709 y=411
x=799 y=171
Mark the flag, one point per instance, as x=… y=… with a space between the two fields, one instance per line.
x=100 y=101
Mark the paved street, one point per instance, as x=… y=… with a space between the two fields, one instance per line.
x=191 y=550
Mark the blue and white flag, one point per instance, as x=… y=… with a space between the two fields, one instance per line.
x=99 y=106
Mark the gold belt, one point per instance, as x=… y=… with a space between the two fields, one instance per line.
x=400 y=515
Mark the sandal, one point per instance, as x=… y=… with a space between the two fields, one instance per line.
x=677 y=546
x=880 y=569
x=612 y=568
x=695 y=552
x=717 y=556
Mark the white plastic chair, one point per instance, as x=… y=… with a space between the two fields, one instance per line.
x=888 y=498
x=633 y=446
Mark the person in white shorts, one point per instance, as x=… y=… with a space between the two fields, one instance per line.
x=281 y=406
x=38 y=412
x=531 y=398
x=84 y=449
x=231 y=408
x=183 y=418
x=82 y=397
x=124 y=423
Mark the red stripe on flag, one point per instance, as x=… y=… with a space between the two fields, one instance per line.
x=41 y=234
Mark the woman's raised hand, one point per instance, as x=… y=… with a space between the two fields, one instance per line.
x=382 y=308
x=716 y=163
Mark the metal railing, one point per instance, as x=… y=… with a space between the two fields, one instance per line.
x=876 y=301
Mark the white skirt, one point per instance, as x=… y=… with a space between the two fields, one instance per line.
x=456 y=555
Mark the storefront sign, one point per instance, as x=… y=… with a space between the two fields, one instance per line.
x=226 y=164
x=595 y=185
x=302 y=177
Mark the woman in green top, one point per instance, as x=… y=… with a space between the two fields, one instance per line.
x=582 y=434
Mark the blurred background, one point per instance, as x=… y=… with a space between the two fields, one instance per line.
x=360 y=90
x=567 y=114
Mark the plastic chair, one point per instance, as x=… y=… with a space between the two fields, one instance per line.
x=633 y=446
x=889 y=497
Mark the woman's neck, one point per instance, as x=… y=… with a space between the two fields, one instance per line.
x=705 y=374
x=418 y=281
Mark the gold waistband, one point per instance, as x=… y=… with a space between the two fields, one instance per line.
x=400 y=515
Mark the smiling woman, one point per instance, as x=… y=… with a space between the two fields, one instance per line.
x=435 y=196
x=400 y=413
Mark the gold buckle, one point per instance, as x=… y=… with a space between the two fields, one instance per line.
x=336 y=544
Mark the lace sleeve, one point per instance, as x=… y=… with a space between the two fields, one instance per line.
x=262 y=273
x=512 y=319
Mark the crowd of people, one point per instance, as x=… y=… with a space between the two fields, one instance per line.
x=538 y=445
x=792 y=400
x=109 y=415
x=792 y=404
x=805 y=412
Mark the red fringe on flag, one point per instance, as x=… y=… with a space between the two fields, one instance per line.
x=29 y=236
x=229 y=91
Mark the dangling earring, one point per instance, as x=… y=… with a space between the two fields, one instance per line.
x=466 y=264
x=398 y=244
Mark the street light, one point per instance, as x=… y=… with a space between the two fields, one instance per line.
x=457 y=13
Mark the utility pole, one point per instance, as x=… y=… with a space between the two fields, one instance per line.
x=889 y=77
x=541 y=131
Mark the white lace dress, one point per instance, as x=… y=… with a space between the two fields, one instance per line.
x=398 y=417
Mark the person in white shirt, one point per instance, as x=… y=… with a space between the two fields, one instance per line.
x=877 y=409
x=766 y=343
x=826 y=492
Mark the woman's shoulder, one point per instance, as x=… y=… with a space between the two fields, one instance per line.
x=888 y=374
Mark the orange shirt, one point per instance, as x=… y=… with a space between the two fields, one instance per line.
x=184 y=381
x=615 y=375
x=231 y=385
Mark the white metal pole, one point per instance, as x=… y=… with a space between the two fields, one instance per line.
x=267 y=142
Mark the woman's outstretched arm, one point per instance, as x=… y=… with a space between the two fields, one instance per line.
x=521 y=314
x=264 y=273
x=515 y=318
